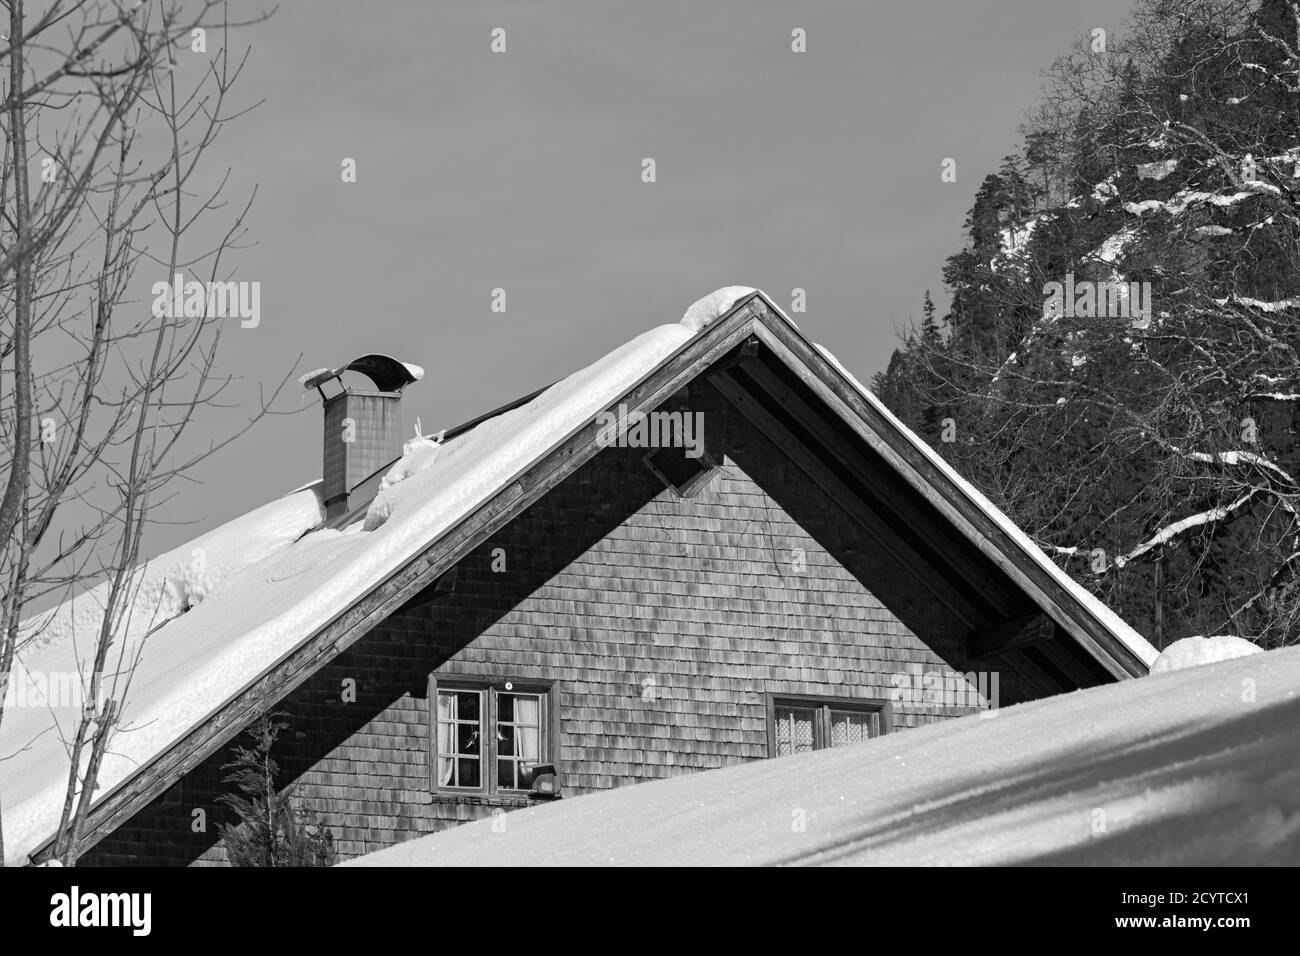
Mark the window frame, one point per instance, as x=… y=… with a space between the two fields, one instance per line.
x=822 y=707
x=548 y=731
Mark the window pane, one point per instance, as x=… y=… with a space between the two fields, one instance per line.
x=794 y=730
x=468 y=702
x=467 y=772
x=851 y=727
x=446 y=705
x=506 y=741
x=527 y=743
x=507 y=774
x=467 y=738
x=522 y=709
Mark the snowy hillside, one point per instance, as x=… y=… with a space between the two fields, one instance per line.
x=1194 y=767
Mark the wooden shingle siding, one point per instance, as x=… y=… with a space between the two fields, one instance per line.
x=663 y=623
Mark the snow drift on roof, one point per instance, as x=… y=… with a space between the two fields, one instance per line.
x=1195 y=651
x=1168 y=770
x=716 y=303
x=173 y=583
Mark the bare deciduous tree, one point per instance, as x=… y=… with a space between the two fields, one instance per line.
x=109 y=107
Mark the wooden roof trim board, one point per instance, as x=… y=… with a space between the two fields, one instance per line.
x=1120 y=654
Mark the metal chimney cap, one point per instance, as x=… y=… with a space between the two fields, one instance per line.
x=388 y=374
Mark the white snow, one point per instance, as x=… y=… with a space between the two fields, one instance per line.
x=415 y=371
x=260 y=586
x=1172 y=530
x=712 y=306
x=1195 y=651
x=1186 y=198
x=1192 y=768
x=418 y=454
x=304 y=379
x=177 y=581
x=1279 y=306
x=1014 y=238
x=1114 y=246
x=1106 y=189
x=1158 y=170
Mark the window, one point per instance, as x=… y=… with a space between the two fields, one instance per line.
x=487 y=739
x=460 y=739
x=794 y=730
x=519 y=739
x=799 y=724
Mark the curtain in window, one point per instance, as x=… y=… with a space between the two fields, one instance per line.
x=794 y=731
x=848 y=727
x=446 y=737
x=528 y=729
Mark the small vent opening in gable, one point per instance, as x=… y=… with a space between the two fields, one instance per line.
x=678 y=471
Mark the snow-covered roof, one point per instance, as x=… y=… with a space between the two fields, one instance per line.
x=1173 y=769
x=239 y=600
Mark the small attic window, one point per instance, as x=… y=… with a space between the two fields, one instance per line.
x=683 y=474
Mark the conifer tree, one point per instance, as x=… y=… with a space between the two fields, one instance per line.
x=1168 y=444
x=270 y=831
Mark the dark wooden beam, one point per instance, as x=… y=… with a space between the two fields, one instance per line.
x=932 y=532
x=745 y=352
x=1037 y=680
x=1064 y=659
x=925 y=574
x=1047 y=590
x=987 y=645
x=443 y=586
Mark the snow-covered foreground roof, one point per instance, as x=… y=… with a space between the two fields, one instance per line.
x=1193 y=767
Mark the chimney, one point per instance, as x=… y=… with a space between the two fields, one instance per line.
x=363 y=426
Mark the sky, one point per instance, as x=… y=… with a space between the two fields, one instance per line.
x=522 y=170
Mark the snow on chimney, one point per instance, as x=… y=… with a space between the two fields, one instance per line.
x=363 y=427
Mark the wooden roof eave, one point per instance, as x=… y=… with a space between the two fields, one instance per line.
x=832 y=387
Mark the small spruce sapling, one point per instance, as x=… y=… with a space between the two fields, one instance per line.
x=270 y=831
